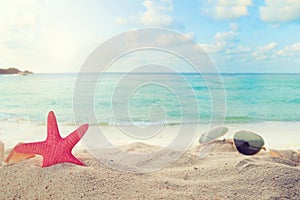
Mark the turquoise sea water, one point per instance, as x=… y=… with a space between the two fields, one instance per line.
x=249 y=98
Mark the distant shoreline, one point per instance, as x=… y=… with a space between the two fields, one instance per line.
x=14 y=71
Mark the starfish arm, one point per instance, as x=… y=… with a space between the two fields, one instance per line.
x=73 y=138
x=76 y=161
x=31 y=148
x=64 y=157
x=52 y=128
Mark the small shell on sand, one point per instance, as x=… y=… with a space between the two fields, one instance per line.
x=1 y=152
x=14 y=156
x=287 y=154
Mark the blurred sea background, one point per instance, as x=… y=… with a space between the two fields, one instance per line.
x=249 y=98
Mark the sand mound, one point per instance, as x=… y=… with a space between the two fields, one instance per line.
x=224 y=174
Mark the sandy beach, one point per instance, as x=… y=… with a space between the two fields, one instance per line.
x=223 y=174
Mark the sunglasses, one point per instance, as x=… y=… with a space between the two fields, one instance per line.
x=246 y=142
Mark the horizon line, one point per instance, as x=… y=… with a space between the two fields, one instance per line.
x=168 y=72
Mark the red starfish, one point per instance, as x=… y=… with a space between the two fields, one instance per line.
x=55 y=149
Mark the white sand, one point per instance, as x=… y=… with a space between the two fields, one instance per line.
x=224 y=174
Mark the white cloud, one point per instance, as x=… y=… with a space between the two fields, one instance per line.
x=279 y=11
x=266 y=51
x=290 y=50
x=227 y=48
x=227 y=9
x=226 y=36
x=272 y=53
x=156 y=14
x=223 y=41
x=190 y=35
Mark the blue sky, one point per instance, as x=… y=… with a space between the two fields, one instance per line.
x=239 y=35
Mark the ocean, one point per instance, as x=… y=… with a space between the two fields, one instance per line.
x=249 y=98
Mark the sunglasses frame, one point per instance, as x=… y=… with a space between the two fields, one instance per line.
x=222 y=132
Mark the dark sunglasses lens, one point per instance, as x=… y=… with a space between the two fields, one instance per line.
x=248 y=143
